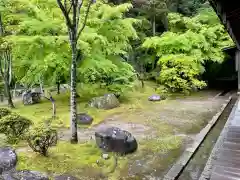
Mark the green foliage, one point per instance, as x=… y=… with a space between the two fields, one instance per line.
x=41 y=137
x=113 y=74
x=179 y=73
x=41 y=49
x=183 y=51
x=14 y=127
x=4 y=112
x=187 y=7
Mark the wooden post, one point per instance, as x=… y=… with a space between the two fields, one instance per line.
x=237 y=60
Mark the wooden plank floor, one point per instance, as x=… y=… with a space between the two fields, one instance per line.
x=227 y=164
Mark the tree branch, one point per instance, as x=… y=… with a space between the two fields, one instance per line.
x=85 y=19
x=79 y=5
x=69 y=8
x=66 y=15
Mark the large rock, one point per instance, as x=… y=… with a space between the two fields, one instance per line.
x=30 y=97
x=108 y=101
x=65 y=177
x=113 y=139
x=8 y=159
x=24 y=175
x=83 y=118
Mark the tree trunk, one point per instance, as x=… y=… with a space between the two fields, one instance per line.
x=73 y=99
x=154 y=25
x=165 y=21
x=41 y=85
x=8 y=94
x=58 y=87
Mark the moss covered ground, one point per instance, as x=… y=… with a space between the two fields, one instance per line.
x=159 y=136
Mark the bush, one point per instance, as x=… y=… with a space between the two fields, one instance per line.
x=41 y=137
x=14 y=127
x=179 y=73
x=4 y=112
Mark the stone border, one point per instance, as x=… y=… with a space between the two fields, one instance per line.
x=184 y=159
x=215 y=152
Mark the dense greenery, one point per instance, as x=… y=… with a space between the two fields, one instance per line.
x=132 y=48
x=115 y=43
x=183 y=50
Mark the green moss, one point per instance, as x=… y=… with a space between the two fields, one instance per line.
x=157 y=151
x=131 y=101
x=67 y=158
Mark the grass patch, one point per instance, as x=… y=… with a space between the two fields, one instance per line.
x=76 y=160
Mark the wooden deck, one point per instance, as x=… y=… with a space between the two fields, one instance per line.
x=226 y=166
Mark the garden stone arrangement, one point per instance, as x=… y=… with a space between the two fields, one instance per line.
x=8 y=162
x=113 y=139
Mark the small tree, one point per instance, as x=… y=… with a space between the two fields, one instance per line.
x=5 y=63
x=71 y=12
x=41 y=137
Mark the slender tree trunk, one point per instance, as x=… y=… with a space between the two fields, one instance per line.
x=5 y=67
x=8 y=94
x=154 y=25
x=73 y=99
x=41 y=85
x=15 y=90
x=58 y=87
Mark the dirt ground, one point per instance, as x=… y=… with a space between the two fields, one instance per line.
x=162 y=129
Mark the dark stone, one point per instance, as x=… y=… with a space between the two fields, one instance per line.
x=156 y=98
x=108 y=101
x=8 y=159
x=83 y=118
x=65 y=177
x=31 y=97
x=113 y=139
x=24 y=175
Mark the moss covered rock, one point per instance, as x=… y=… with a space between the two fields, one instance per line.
x=108 y=101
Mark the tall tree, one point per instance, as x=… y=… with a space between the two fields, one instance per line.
x=71 y=12
x=5 y=62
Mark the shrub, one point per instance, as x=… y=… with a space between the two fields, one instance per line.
x=41 y=137
x=179 y=73
x=14 y=127
x=4 y=112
